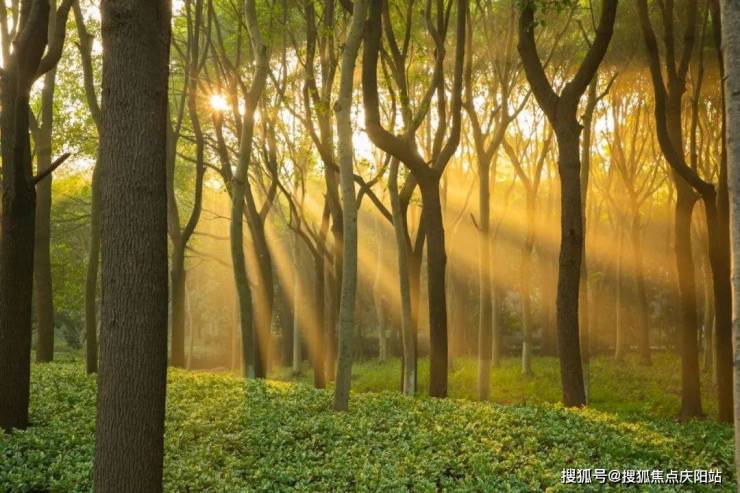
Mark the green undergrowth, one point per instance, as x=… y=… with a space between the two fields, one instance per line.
x=627 y=388
x=225 y=435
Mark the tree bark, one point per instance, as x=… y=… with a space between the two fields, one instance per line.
x=238 y=193
x=408 y=337
x=731 y=55
x=345 y=148
x=561 y=112
x=133 y=347
x=42 y=254
x=17 y=236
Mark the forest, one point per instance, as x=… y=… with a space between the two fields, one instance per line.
x=369 y=245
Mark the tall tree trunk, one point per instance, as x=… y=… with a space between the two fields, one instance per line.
x=238 y=193
x=561 y=112
x=708 y=319
x=16 y=255
x=569 y=276
x=408 y=334
x=85 y=41
x=42 y=254
x=377 y=288
x=91 y=276
x=731 y=54
x=485 y=312
x=620 y=338
x=296 y=302
x=643 y=324
x=690 y=390
x=436 y=265
x=177 y=277
x=526 y=273
x=17 y=235
x=133 y=347
x=343 y=110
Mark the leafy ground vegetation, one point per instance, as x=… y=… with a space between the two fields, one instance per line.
x=227 y=435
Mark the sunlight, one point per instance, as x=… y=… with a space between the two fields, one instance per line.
x=218 y=103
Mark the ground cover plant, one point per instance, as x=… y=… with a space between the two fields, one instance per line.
x=224 y=434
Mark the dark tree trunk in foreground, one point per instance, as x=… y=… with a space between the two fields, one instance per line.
x=133 y=343
x=17 y=236
x=561 y=112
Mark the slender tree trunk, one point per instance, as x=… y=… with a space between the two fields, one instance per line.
x=238 y=193
x=133 y=365
x=526 y=280
x=296 y=356
x=378 y=298
x=643 y=323
x=91 y=277
x=42 y=254
x=620 y=325
x=485 y=322
x=408 y=338
x=177 y=278
x=708 y=319
x=349 y=205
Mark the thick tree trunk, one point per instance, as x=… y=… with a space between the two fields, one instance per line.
x=690 y=390
x=16 y=256
x=133 y=347
x=719 y=258
x=569 y=275
x=436 y=265
x=264 y=296
x=42 y=254
x=731 y=54
x=708 y=320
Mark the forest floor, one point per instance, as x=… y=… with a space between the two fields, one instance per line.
x=223 y=435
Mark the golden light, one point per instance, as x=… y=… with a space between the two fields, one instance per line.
x=218 y=102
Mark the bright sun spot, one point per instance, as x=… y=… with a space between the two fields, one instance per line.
x=218 y=102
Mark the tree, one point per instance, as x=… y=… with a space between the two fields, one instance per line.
x=133 y=341
x=427 y=176
x=561 y=111
x=42 y=131
x=343 y=108
x=93 y=263
x=195 y=56
x=731 y=55
x=668 y=92
x=529 y=171
x=26 y=63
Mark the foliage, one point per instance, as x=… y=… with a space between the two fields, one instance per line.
x=224 y=435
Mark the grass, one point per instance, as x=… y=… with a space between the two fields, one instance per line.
x=225 y=435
